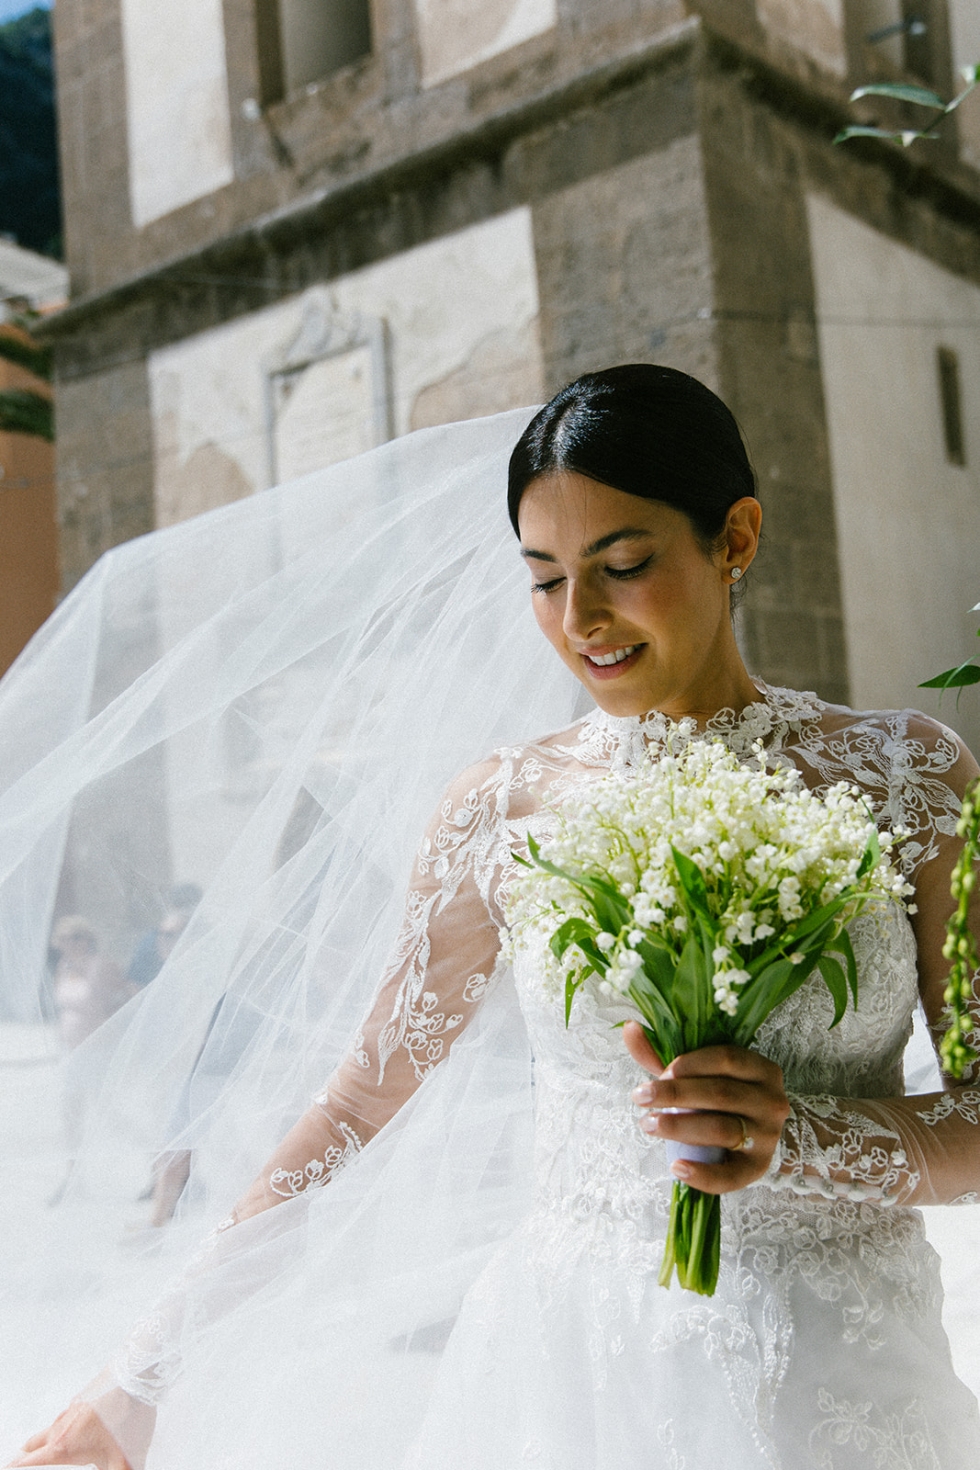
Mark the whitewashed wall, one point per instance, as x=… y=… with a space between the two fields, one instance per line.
x=460 y=316
x=908 y=521
x=457 y=34
x=177 y=110
x=964 y=35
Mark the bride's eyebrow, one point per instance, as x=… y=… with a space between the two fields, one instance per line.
x=628 y=533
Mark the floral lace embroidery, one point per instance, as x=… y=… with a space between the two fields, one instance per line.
x=289 y=1182
x=665 y=1439
x=965 y=1104
x=892 y=1441
x=830 y=1149
x=416 y=1023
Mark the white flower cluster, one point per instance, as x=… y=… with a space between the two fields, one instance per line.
x=769 y=849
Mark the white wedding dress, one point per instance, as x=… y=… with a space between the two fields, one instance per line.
x=823 y=1344
x=275 y=693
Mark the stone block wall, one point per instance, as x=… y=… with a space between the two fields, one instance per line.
x=665 y=166
x=105 y=462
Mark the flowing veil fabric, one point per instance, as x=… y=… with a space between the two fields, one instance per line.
x=267 y=701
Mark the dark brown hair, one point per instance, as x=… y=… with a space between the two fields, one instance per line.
x=649 y=431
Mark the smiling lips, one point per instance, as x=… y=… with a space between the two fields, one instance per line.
x=611 y=664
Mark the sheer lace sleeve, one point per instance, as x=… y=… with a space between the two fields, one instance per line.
x=444 y=962
x=910 y=1150
x=445 y=959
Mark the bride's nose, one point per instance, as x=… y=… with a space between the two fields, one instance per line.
x=585 y=613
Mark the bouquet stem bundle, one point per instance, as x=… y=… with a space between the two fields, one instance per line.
x=707 y=892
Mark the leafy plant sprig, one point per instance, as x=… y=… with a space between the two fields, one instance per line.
x=919 y=97
x=959 y=677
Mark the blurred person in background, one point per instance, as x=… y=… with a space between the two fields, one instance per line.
x=156 y=946
x=87 y=987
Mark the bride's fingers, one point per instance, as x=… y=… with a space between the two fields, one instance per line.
x=726 y=1061
x=732 y=1131
x=764 y=1105
x=735 y=1173
x=639 y=1048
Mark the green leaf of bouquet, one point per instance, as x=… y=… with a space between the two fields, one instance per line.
x=808 y=926
x=573 y=931
x=834 y=980
x=969 y=75
x=660 y=1021
x=904 y=92
x=576 y=879
x=693 y=994
x=843 y=946
x=549 y=867
x=692 y=881
x=608 y=904
x=759 y=997
x=610 y=908
x=802 y=937
x=958 y=678
x=769 y=990
x=659 y=963
x=872 y=854
x=812 y=944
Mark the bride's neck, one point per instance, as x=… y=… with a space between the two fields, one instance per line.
x=702 y=701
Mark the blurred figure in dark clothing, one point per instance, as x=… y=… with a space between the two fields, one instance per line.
x=155 y=947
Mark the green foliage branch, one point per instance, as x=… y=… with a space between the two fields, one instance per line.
x=918 y=97
x=22 y=410
x=955 y=1051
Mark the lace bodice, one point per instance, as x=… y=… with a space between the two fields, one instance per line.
x=851 y=1139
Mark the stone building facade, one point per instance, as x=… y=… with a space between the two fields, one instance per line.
x=297 y=227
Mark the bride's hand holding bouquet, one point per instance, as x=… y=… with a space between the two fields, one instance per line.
x=718 y=1100
x=705 y=892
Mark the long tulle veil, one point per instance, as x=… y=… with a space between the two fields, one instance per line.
x=266 y=701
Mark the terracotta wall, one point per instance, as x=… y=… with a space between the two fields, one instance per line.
x=28 y=529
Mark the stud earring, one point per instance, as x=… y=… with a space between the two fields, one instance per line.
x=736 y=573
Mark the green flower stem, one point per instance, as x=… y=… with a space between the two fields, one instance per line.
x=961 y=948
x=693 y=1244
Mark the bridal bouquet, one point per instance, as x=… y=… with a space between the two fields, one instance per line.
x=706 y=892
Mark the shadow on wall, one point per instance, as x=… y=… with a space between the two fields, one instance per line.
x=501 y=372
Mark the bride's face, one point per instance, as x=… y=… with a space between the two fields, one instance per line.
x=628 y=597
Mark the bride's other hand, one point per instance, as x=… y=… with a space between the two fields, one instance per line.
x=731 y=1098
x=79 y=1435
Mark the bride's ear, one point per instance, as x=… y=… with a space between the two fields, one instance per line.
x=743 y=525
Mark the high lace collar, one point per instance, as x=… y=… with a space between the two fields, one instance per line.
x=626 y=740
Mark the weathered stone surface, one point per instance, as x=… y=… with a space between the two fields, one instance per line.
x=105 y=464
x=625 y=270
x=666 y=164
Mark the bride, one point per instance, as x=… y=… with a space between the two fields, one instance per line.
x=467 y=1291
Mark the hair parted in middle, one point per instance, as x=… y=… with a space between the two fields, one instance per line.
x=649 y=431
